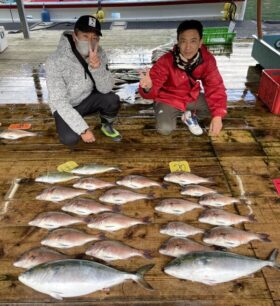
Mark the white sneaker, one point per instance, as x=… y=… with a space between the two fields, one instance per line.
x=191 y=122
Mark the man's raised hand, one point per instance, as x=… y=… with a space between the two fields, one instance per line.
x=145 y=79
x=94 y=60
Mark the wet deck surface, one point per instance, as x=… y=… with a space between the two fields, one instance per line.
x=247 y=149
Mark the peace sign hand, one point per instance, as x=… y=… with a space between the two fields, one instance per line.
x=94 y=60
x=145 y=79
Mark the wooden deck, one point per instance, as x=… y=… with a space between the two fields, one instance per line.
x=247 y=149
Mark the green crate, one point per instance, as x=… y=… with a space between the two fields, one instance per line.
x=217 y=35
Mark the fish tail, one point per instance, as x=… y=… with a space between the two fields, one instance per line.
x=251 y=218
x=87 y=219
x=210 y=180
x=150 y=196
x=264 y=237
x=147 y=254
x=273 y=259
x=146 y=220
x=140 y=276
x=116 y=208
x=101 y=236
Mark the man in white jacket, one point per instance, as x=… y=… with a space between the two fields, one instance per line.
x=79 y=84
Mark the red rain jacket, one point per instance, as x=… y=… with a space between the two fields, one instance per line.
x=171 y=85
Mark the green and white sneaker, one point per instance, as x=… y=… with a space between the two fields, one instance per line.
x=109 y=131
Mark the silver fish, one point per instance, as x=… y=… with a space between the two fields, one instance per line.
x=54 y=219
x=84 y=207
x=16 y=134
x=217 y=200
x=185 y=178
x=179 y=246
x=92 y=183
x=176 y=206
x=217 y=267
x=220 y=217
x=231 y=237
x=74 y=277
x=65 y=238
x=59 y=193
x=90 y=169
x=113 y=222
x=56 y=177
x=180 y=229
x=37 y=256
x=109 y=250
x=196 y=190
x=122 y=196
x=137 y=182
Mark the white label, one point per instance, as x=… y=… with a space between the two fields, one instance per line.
x=92 y=22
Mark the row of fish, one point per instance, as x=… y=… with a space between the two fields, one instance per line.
x=194 y=261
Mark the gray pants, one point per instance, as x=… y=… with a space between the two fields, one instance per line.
x=166 y=115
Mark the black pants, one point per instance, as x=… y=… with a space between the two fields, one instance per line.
x=107 y=105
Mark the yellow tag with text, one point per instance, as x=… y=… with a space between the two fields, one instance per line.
x=179 y=166
x=67 y=167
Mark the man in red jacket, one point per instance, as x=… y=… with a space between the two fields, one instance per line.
x=174 y=84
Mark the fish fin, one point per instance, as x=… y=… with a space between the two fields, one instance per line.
x=146 y=220
x=147 y=254
x=264 y=237
x=140 y=276
x=116 y=208
x=164 y=185
x=55 y=295
x=251 y=218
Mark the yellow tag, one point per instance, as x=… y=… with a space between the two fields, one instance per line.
x=178 y=166
x=67 y=167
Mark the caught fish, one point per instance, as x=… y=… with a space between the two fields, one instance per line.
x=137 y=182
x=185 y=178
x=90 y=169
x=114 y=250
x=231 y=237
x=122 y=196
x=54 y=219
x=65 y=238
x=84 y=207
x=74 y=277
x=56 y=177
x=176 y=206
x=196 y=190
x=176 y=247
x=92 y=183
x=220 y=217
x=217 y=200
x=59 y=193
x=217 y=267
x=180 y=229
x=37 y=256
x=16 y=134
x=112 y=222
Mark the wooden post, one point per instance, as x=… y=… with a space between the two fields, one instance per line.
x=23 y=22
x=259 y=19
